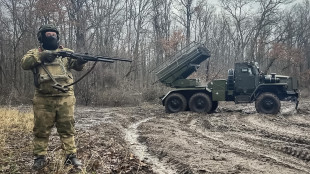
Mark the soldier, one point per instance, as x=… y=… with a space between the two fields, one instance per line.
x=52 y=106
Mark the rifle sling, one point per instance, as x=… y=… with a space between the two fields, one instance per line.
x=65 y=87
x=78 y=80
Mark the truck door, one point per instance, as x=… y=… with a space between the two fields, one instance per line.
x=245 y=79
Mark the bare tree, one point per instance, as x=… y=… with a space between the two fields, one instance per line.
x=161 y=20
x=149 y=31
x=241 y=26
x=78 y=14
x=140 y=11
x=266 y=18
x=184 y=16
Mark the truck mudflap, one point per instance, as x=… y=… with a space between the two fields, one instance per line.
x=293 y=96
x=297 y=102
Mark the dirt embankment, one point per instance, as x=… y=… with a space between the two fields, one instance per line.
x=234 y=139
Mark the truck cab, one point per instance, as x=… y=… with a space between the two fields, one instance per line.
x=246 y=84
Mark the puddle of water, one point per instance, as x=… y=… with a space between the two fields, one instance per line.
x=140 y=150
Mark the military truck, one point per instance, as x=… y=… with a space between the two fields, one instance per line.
x=244 y=84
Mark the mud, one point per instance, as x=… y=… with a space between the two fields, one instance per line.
x=234 y=139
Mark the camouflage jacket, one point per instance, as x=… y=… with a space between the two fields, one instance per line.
x=60 y=69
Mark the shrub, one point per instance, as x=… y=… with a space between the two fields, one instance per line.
x=117 y=97
x=150 y=95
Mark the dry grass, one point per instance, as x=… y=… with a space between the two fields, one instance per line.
x=16 y=144
x=14 y=127
x=98 y=157
x=13 y=121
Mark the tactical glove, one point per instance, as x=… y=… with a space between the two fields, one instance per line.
x=47 y=56
x=81 y=61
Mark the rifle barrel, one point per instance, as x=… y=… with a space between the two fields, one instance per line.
x=104 y=60
x=90 y=57
x=115 y=58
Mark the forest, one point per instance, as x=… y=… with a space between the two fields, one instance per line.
x=274 y=33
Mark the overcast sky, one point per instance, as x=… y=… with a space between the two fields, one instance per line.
x=217 y=3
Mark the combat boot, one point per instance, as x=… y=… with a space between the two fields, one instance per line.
x=39 y=162
x=71 y=159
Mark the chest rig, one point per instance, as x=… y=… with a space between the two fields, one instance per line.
x=53 y=76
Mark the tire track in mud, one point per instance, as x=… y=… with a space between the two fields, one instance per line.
x=129 y=125
x=171 y=164
x=188 y=150
x=218 y=143
x=289 y=129
x=291 y=133
x=263 y=140
x=89 y=117
x=222 y=142
x=141 y=150
x=162 y=140
x=288 y=141
x=259 y=142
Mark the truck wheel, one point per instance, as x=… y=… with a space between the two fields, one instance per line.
x=175 y=102
x=200 y=102
x=215 y=104
x=267 y=103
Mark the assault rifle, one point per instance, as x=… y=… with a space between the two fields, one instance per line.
x=87 y=57
x=90 y=57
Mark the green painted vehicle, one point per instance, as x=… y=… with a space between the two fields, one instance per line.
x=244 y=84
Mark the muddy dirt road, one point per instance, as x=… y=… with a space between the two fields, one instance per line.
x=235 y=139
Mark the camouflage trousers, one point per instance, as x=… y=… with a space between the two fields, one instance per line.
x=50 y=111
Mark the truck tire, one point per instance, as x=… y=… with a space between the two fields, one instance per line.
x=175 y=102
x=267 y=103
x=200 y=102
x=215 y=104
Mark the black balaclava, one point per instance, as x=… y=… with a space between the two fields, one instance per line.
x=50 y=42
